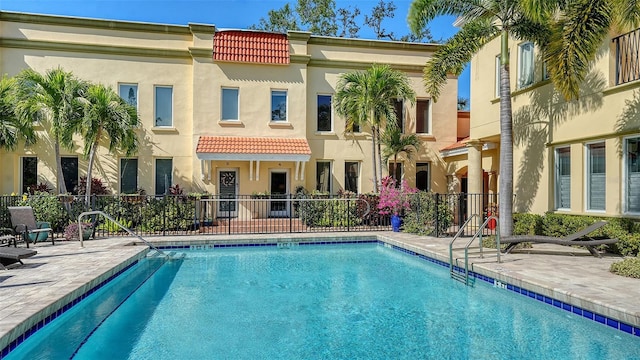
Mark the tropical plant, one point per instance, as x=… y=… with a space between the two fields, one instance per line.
x=41 y=187
x=365 y=98
x=47 y=208
x=428 y=216
x=12 y=127
x=107 y=117
x=394 y=200
x=97 y=187
x=396 y=143
x=71 y=231
x=581 y=27
x=569 y=34
x=53 y=99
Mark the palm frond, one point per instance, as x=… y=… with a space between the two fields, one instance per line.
x=574 y=43
x=455 y=53
x=422 y=12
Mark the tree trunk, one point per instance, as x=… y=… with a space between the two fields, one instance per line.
x=373 y=159
x=379 y=153
x=395 y=165
x=92 y=157
x=506 y=143
x=62 y=187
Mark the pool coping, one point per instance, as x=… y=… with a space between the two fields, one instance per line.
x=614 y=317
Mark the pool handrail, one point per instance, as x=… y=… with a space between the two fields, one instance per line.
x=478 y=235
x=95 y=212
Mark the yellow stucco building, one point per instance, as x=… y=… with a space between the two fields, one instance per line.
x=577 y=157
x=223 y=111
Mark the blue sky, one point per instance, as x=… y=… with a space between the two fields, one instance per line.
x=222 y=13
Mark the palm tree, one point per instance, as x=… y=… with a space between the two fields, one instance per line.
x=574 y=39
x=12 y=127
x=396 y=143
x=365 y=98
x=569 y=34
x=52 y=98
x=107 y=117
x=482 y=21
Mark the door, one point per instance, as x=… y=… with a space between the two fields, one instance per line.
x=278 y=189
x=228 y=191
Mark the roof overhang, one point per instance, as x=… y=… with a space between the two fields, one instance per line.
x=230 y=148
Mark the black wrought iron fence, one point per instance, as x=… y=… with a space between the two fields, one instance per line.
x=432 y=214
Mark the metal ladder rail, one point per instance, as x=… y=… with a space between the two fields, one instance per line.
x=478 y=235
x=460 y=231
x=86 y=213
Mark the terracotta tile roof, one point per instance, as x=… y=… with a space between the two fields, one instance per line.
x=460 y=144
x=251 y=47
x=252 y=145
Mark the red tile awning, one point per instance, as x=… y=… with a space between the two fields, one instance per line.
x=250 y=47
x=252 y=148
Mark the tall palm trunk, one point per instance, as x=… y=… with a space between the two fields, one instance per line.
x=62 y=186
x=373 y=159
x=506 y=143
x=379 y=154
x=92 y=157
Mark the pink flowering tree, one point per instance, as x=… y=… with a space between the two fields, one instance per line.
x=394 y=199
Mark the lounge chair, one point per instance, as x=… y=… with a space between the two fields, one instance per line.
x=24 y=223
x=11 y=257
x=579 y=238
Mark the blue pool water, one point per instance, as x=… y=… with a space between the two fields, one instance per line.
x=315 y=302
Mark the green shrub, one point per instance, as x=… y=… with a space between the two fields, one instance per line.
x=627 y=245
x=168 y=213
x=560 y=225
x=527 y=224
x=426 y=213
x=323 y=211
x=311 y=211
x=111 y=227
x=47 y=207
x=629 y=267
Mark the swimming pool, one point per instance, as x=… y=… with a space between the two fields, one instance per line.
x=320 y=301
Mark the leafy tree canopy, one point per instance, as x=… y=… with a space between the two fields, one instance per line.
x=321 y=17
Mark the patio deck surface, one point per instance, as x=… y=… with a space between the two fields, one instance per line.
x=62 y=272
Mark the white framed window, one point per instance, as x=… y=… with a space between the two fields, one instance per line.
x=525 y=64
x=631 y=175
x=278 y=105
x=164 y=175
x=128 y=176
x=29 y=173
x=423 y=117
x=351 y=176
x=323 y=176
x=230 y=104
x=129 y=93
x=423 y=176
x=163 y=106
x=563 y=178
x=596 y=176
x=497 y=76
x=324 y=118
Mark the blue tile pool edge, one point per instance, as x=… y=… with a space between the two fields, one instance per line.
x=618 y=325
x=64 y=308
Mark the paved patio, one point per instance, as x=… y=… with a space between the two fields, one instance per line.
x=58 y=274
